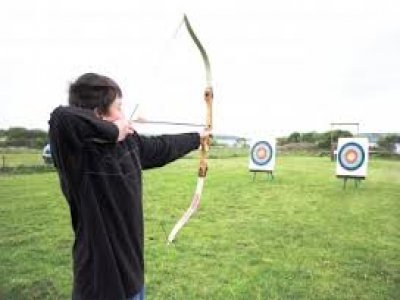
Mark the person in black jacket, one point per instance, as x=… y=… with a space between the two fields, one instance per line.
x=99 y=158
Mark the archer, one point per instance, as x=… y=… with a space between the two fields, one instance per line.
x=99 y=158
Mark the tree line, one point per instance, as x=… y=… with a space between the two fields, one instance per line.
x=324 y=140
x=23 y=137
x=37 y=138
x=321 y=139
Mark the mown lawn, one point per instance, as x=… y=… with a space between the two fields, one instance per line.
x=15 y=159
x=300 y=236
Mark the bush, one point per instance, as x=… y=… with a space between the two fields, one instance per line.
x=22 y=137
x=388 y=142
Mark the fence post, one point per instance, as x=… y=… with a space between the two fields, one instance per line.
x=4 y=161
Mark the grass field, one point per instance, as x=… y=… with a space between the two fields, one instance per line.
x=300 y=236
x=32 y=157
x=16 y=158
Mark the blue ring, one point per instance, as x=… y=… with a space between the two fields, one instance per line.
x=270 y=151
x=343 y=149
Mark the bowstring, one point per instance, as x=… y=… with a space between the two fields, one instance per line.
x=155 y=69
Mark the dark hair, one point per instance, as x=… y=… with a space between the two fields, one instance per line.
x=93 y=91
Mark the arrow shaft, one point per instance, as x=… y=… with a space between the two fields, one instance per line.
x=168 y=123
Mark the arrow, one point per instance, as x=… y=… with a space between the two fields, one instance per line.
x=168 y=123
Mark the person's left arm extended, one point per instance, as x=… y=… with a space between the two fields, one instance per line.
x=157 y=151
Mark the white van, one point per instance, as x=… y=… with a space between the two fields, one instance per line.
x=46 y=154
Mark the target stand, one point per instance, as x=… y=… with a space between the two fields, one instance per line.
x=270 y=174
x=357 y=180
x=352 y=160
x=262 y=157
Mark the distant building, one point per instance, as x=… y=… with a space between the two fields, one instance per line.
x=373 y=139
x=397 y=148
x=230 y=140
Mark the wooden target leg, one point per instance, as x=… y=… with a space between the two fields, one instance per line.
x=357 y=182
x=254 y=176
x=344 y=182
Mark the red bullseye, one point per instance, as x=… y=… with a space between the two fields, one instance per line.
x=351 y=156
x=261 y=153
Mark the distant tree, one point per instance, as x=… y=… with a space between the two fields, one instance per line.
x=309 y=137
x=281 y=141
x=324 y=139
x=17 y=133
x=294 y=137
x=388 y=142
x=37 y=134
x=22 y=137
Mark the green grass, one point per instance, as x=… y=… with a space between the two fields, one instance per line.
x=300 y=236
x=14 y=159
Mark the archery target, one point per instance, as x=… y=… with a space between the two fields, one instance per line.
x=352 y=159
x=262 y=154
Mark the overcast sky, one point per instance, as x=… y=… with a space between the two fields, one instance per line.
x=278 y=66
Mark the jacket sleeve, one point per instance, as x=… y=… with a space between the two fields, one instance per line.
x=157 y=151
x=74 y=125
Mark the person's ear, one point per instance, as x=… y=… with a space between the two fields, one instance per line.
x=97 y=113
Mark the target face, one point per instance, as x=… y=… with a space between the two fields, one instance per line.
x=351 y=156
x=352 y=159
x=261 y=153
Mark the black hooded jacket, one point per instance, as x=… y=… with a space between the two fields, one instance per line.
x=102 y=182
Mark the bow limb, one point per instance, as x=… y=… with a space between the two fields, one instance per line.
x=205 y=142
